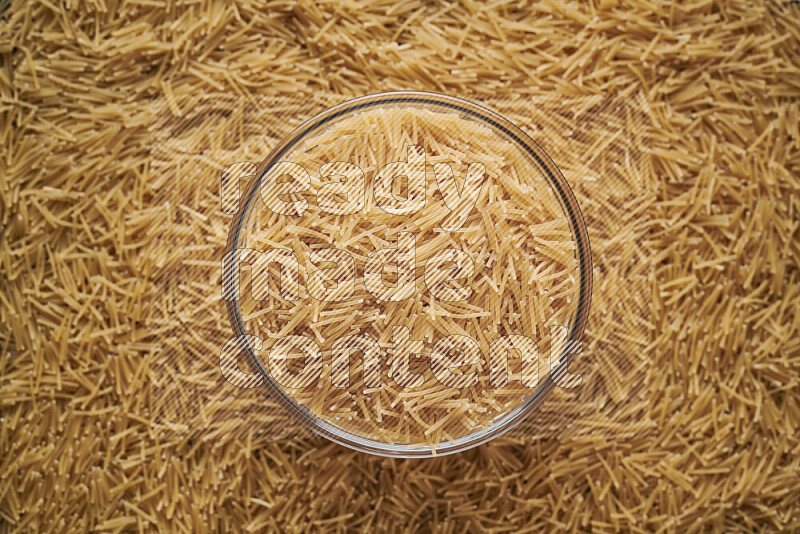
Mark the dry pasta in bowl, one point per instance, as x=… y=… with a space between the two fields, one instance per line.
x=405 y=271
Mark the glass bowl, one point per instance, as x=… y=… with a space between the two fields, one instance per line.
x=459 y=133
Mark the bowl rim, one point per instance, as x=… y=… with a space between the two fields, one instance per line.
x=566 y=199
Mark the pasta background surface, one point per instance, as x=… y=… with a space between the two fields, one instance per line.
x=78 y=448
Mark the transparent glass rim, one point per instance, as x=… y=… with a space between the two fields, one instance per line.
x=566 y=199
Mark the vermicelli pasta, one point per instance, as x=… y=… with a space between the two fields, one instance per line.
x=521 y=281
